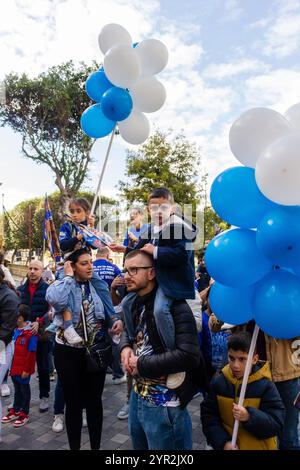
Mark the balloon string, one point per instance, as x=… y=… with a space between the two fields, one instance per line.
x=102 y=171
x=245 y=381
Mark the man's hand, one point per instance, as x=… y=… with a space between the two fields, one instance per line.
x=229 y=446
x=240 y=413
x=35 y=328
x=117 y=248
x=91 y=221
x=68 y=269
x=133 y=365
x=148 y=248
x=117 y=328
x=24 y=375
x=118 y=281
x=79 y=236
x=125 y=356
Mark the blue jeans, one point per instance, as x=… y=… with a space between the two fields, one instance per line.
x=116 y=364
x=22 y=396
x=162 y=314
x=59 y=400
x=6 y=355
x=153 y=427
x=288 y=389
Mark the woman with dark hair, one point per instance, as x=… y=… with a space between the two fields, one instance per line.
x=9 y=302
x=77 y=294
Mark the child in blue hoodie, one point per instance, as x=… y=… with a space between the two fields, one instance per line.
x=169 y=240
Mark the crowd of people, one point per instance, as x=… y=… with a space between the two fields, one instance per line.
x=153 y=316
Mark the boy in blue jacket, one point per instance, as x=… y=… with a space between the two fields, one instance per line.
x=262 y=415
x=169 y=240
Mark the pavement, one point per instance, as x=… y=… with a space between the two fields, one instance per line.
x=37 y=433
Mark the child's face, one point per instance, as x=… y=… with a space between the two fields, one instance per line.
x=135 y=216
x=20 y=321
x=78 y=214
x=160 y=210
x=237 y=362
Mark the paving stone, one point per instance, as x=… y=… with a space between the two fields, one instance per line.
x=120 y=438
x=37 y=434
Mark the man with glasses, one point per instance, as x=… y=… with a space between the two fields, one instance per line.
x=158 y=418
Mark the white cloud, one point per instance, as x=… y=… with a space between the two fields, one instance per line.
x=281 y=37
x=238 y=67
x=278 y=89
x=233 y=11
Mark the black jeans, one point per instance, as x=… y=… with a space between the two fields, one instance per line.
x=81 y=389
x=42 y=362
x=22 y=396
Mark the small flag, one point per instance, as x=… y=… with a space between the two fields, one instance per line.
x=49 y=232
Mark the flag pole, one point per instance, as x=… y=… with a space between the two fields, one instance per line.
x=44 y=250
x=245 y=381
x=102 y=172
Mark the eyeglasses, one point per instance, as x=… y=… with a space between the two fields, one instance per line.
x=160 y=207
x=134 y=270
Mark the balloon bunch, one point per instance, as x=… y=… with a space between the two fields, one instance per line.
x=125 y=87
x=256 y=266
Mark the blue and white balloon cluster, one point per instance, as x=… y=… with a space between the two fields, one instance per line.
x=256 y=266
x=125 y=87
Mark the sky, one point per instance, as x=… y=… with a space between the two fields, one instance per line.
x=226 y=56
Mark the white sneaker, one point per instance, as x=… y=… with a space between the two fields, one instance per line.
x=124 y=411
x=175 y=380
x=71 y=336
x=58 y=423
x=44 y=405
x=109 y=380
x=5 y=390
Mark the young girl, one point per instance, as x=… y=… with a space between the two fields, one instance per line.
x=70 y=239
x=69 y=236
x=22 y=368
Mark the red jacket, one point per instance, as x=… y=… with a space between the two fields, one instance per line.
x=25 y=352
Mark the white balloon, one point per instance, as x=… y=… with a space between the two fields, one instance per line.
x=278 y=171
x=254 y=131
x=293 y=116
x=121 y=66
x=148 y=94
x=135 y=129
x=112 y=35
x=153 y=55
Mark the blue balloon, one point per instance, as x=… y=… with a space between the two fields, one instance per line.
x=116 y=104
x=233 y=258
x=96 y=84
x=278 y=236
x=94 y=123
x=232 y=305
x=276 y=303
x=236 y=198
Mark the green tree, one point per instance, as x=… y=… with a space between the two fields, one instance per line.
x=162 y=161
x=23 y=225
x=213 y=223
x=46 y=112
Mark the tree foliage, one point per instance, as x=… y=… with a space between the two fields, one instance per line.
x=25 y=221
x=46 y=112
x=162 y=161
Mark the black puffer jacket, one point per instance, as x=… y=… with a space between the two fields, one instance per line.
x=38 y=305
x=9 y=302
x=186 y=355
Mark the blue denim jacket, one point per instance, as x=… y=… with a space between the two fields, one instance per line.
x=66 y=294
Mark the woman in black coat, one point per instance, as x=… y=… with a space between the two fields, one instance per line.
x=9 y=302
